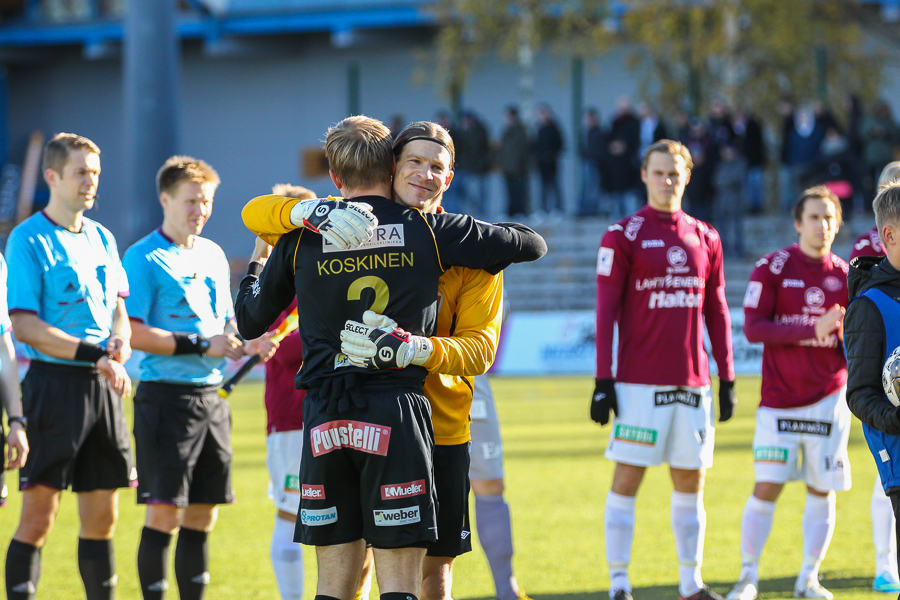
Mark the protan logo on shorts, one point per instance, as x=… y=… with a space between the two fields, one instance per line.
x=365 y=437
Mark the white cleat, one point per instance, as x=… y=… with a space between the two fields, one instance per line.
x=745 y=589
x=811 y=588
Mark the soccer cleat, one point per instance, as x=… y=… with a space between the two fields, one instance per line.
x=743 y=590
x=885 y=582
x=523 y=596
x=704 y=594
x=812 y=589
x=617 y=595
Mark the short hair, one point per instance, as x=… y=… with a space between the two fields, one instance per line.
x=887 y=205
x=358 y=150
x=293 y=191
x=668 y=147
x=818 y=191
x=890 y=172
x=426 y=129
x=178 y=169
x=58 y=148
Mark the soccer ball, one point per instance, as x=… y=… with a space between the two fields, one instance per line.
x=890 y=377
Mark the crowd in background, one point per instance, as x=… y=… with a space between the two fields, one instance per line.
x=741 y=164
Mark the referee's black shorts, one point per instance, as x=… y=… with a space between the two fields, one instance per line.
x=451 y=480
x=77 y=432
x=182 y=434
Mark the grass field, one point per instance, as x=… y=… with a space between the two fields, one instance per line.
x=557 y=480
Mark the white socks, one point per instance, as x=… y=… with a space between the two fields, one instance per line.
x=756 y=524
x=818 y=527
x=287 y=560
x=883 y=528
x=619 y=526
x=689 y=527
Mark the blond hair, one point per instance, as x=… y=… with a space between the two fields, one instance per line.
x=57 y=149
x=359 y=152
x=668 y=147
x=890 y=172
x=293 y=191
x=178 y=169
x=887 y=205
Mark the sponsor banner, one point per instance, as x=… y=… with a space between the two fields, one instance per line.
x=562 y=343
x=403 y=490
x=314 y=518
x=314 y=492
x=355 y=435
x=396 y=516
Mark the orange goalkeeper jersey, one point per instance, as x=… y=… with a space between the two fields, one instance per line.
x=468 y=326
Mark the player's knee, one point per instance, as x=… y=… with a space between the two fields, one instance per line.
x=34 y=528
x=436 y=585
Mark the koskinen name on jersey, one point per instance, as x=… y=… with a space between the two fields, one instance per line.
x=365 y=437
x=352 y=264
x=403 y=490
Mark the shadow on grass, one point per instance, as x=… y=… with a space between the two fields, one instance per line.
x=768 y=588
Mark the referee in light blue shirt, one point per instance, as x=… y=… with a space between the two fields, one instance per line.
x=66 y=305
x=182 y=317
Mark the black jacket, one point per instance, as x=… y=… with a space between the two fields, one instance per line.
x=864 y=340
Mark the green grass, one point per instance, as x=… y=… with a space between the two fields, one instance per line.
x=557 y=480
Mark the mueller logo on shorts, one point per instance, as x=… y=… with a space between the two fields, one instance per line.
x=313 y=492
x=396 y=516
x=635 y=435
x=677 y=396
x=770 y=454
x=365 y=437
x=403 y=490
x=314 y=518
x=798 y=426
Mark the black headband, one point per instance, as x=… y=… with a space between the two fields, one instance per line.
x=427 y=139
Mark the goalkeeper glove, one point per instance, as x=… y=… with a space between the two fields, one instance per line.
x=727 y=399
x=344 y=224
x=604 y=400
x=377 y=343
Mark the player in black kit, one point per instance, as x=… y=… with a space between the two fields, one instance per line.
x=366 y=468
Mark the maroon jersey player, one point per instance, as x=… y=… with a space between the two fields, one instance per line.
x=794 y=305
x=659 y=276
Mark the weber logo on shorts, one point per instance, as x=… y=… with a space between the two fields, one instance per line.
x=677 y=396
x=396 y=516
x=356 y=435
x=313 y=518
x=798 y=426
x=403 y=490
x=314 y=492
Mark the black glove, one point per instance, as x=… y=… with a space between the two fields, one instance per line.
x=604 y=400
x=727 y=399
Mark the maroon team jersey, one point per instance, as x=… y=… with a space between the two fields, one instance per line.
x=284 y=403
x=658 y=276
x=868 y=244
x=787 y=293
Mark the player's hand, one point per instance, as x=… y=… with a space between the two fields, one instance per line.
x=226 y=345
x=119 y=348
x=831 y=322
x=604 y=400
x=261 y=251
x=116 y=375
x=344 y=224
x=17 y=453
x=377 y=343
x=263 y=346
x=727 y=399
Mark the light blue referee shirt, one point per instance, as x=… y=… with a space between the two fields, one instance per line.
x=69 y=280
x=5 y=323
x=186 y=290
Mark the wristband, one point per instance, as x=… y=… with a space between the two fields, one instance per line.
x=190 y=343
x=20 y=420
x=87 y=352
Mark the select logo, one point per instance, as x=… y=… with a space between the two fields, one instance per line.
x=313 y=518
x=396 y=516
x=403 y=490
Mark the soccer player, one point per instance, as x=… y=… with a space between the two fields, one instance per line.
x=659 y=277
x=795 y=305
x=871 y=330
x=67 y=307
x=17 y=454
x=182 y=318
x=395 y=491
x=883 y=522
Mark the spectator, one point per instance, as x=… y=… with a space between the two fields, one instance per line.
x=547 y=148
x=728 y=181
x=699 y=193
x=652 y=128
x=590 y=148
x=880 y=133
x=513 y=160
x=619 y=171
x=750 y=138
x=801 y=151
x=472 y=165
x=451 y=196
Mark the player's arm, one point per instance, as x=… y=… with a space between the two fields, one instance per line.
x=119 y=343
x=718 y=325
x=613 y=265
x=12 y=402
x=864 y=342
x=266 y=291
x=760 y=325
x=263 y=346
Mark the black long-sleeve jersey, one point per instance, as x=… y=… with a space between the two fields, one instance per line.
x=395 y=273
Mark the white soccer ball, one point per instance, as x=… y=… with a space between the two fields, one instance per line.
x=890 y=377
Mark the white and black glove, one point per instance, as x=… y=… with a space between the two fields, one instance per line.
x=377 y=343
x=344 y=224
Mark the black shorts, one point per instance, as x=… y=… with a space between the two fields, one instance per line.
x=77 y=432
x=182 y=434
x=451 y=480
x=367 y=473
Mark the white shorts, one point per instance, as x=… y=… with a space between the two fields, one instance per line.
x=821 y=430
x=663 y=424
x=486 y=449
x=283 y=451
